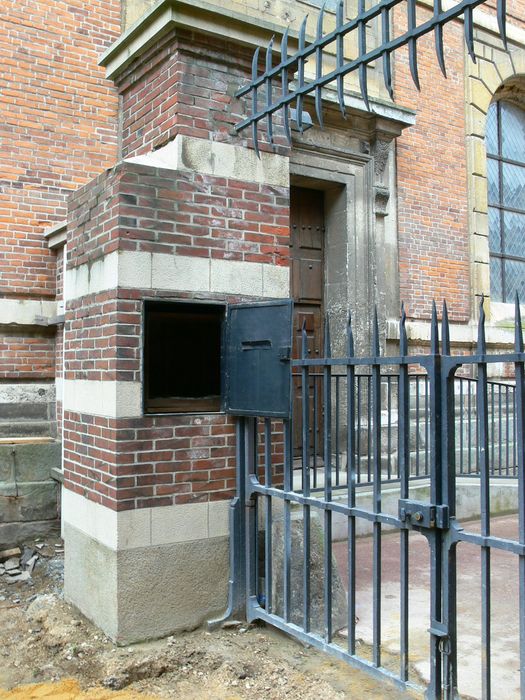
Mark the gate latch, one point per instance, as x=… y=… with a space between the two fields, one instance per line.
x=423 y=515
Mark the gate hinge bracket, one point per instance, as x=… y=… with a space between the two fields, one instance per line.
x=438 y=629
x=420 y=514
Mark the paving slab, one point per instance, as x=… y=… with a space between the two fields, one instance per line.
x=504 y=600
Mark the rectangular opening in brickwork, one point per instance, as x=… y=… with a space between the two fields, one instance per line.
x=182 y=357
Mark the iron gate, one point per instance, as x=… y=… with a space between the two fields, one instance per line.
x=288 y=507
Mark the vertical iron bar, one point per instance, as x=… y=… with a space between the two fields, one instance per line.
x=448 y=496
x=369 y=427
x=327 y=440
x=500 y=429
x=306 y=480
x=389 y=426
x=250 y=461
x=461 y=425
x=284 y=87
x=417 y=425
x=300 y=76
x=404 y=470
x=268 y=515
x=337 y=407
x=427 y=426
x=351 y=480
x=376 y=441
x=319 y=68
x=268 y=81
x=484 y=467
x=519 y=422
x=316 y=428
x=507 y=431
x=287 y=561
x=358 y=377
x=255 y=65
x=493 y=426
x=361 y=32
x=339 y=19
x=434 y=689
x=387 y=64
x=412 y=44
x=469 y=423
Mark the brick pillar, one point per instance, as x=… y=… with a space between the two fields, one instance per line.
x=146 y=496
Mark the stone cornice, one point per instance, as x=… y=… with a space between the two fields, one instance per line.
x=201 y=16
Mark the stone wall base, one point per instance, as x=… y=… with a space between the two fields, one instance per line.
x=146 y=592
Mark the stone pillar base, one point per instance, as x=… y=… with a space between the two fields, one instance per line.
x=146 y=587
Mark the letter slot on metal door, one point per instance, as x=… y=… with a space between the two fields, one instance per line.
x=257 y=359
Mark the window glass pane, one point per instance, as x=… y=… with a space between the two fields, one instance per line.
x=514 y=279
x=493 y=181
x=513 y=131
x=495 y=279
x=491 y=132
x=514 y=233
x=494 y=230
x=513 y=186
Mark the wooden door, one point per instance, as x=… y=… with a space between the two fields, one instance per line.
x=307 y=291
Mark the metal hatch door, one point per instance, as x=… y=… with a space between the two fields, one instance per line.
x=257 y=359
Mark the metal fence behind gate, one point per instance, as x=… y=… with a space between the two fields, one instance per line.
x=501 y=427
x=376 y=424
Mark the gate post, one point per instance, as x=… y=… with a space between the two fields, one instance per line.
x=434 y=536
x=443 y=641
x=448 y=495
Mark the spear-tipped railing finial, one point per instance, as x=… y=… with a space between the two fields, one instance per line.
x=350 y=337
x=403 y=340
x=304 y=341
x=445 y=330
x=482 y=343
x=434 y=330
x=333 y=41
x=518 y=330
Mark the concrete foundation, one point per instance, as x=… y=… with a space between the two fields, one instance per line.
x=136 y=584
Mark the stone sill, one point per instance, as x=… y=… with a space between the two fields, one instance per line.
x=460 y=334
x=57 y=475
x=26 y=440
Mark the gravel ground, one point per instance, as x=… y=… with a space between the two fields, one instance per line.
x=47 y=643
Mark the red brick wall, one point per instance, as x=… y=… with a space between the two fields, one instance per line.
x=58 y=130
x=27 y=355
x=58 y=127
x=150 y=461
x=155 y=460
x=185 y=84
x=432 y=180
x=135 y=207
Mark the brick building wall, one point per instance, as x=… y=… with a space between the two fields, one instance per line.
x=58 y=126
x=185 y=84
x=434 y=252
x=58 y=129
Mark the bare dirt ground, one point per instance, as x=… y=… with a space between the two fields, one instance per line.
x=49 y=650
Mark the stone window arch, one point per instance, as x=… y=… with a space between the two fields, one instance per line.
x=505 y=146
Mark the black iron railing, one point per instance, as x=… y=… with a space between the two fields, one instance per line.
x=438 y=424
x=501 y=427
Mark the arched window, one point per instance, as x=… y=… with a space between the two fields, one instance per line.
x=505 y=142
